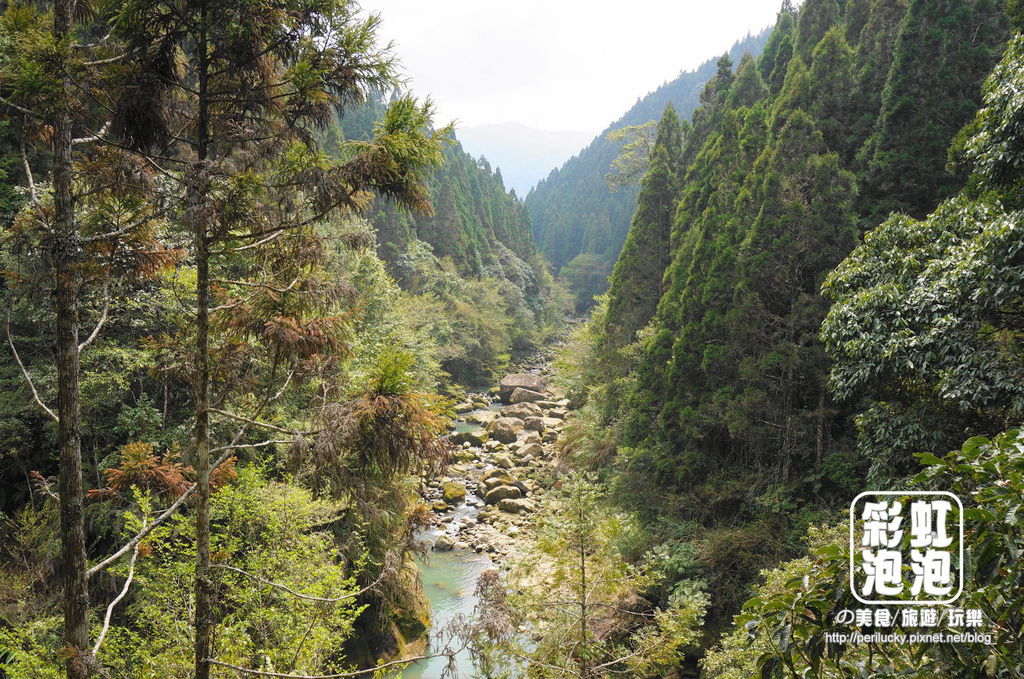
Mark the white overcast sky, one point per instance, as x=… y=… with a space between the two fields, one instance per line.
x=556 y=64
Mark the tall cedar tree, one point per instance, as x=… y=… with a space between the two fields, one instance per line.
x=226 y=97
x=944 y=50
x=91 y=222
x=729 y=398
x=635 y=286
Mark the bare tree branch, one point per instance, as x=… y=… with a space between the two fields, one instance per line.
x=28 y=169
x=103 y=318
x=95 y=137
x=117 y=599
x=261 y=444
x=24 y=372
x=265 y=425
x=307 y=597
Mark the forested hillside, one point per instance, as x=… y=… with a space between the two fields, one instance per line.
x=218 y=396
x=289 y=390
x=578 y=221
x=710 y=380
x=472 y=258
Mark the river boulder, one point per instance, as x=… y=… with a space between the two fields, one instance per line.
x=535 y=449
x=552 y=423
x=443 y=544
x=515 y=505
x=494 y=482
x=504 y=461
x=521 y=395
x=522 y=410
x=492 y=473
x=482 y=416
x=506 y=429
x=474 y=437
x=496 y=495
x=510 y=383
x=453 y=493
x=534 y=423
x=529 y=437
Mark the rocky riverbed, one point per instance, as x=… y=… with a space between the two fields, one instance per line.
x=485 y=504
x=506 y=447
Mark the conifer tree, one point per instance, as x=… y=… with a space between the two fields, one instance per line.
x=943 y=52
x=832 y=86
x=816 y=18
x=636 y=281
x=779 y=50
x=225 y=98
x=748 y=88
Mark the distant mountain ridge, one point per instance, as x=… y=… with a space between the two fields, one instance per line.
x=524 y=154
x=574 y=213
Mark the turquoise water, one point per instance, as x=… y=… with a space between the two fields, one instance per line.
x=462 y=426
x=449 y=580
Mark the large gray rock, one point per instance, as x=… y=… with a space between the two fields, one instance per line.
x=522 y=410
x=482 y=416
x=499 y=493
x=529 y=437
x=534 y=423
x=504 y=461
x=474 y=437
x=493 y=473
x=506 y=429
x=520 y=395
x=453 y=493
x=443 y=544
x=535 y=449
x=492 y=483
x=509 y=383
x=515 y=506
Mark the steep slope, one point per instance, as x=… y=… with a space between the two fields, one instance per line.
x=722 y=405
x=573 y=211
x=472 y=263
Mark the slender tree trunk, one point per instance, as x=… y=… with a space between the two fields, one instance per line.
x=199 y=189
x=584 y=664
x=203 y=584
x=819 y=433
x=65 y=254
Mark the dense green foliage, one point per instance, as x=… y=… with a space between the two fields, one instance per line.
x=636 y=282
x=222 y=246
x=781 y=631
x=733 y=420
x=475 y=243
x=925 y=323
x=580 y=591
x=574 y=212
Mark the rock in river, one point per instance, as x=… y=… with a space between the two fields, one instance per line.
x=502 y=493
x=534 y=423
x=504 y=461
x=509 y=383
x=522 y=410
x=453 y=493
x=506 y=429
x=521 y=395
x=515 y=505
x=475 y=437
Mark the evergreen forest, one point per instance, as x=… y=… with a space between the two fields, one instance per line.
x=293 y=386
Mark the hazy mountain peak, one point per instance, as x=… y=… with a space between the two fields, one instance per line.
x=524 y=154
